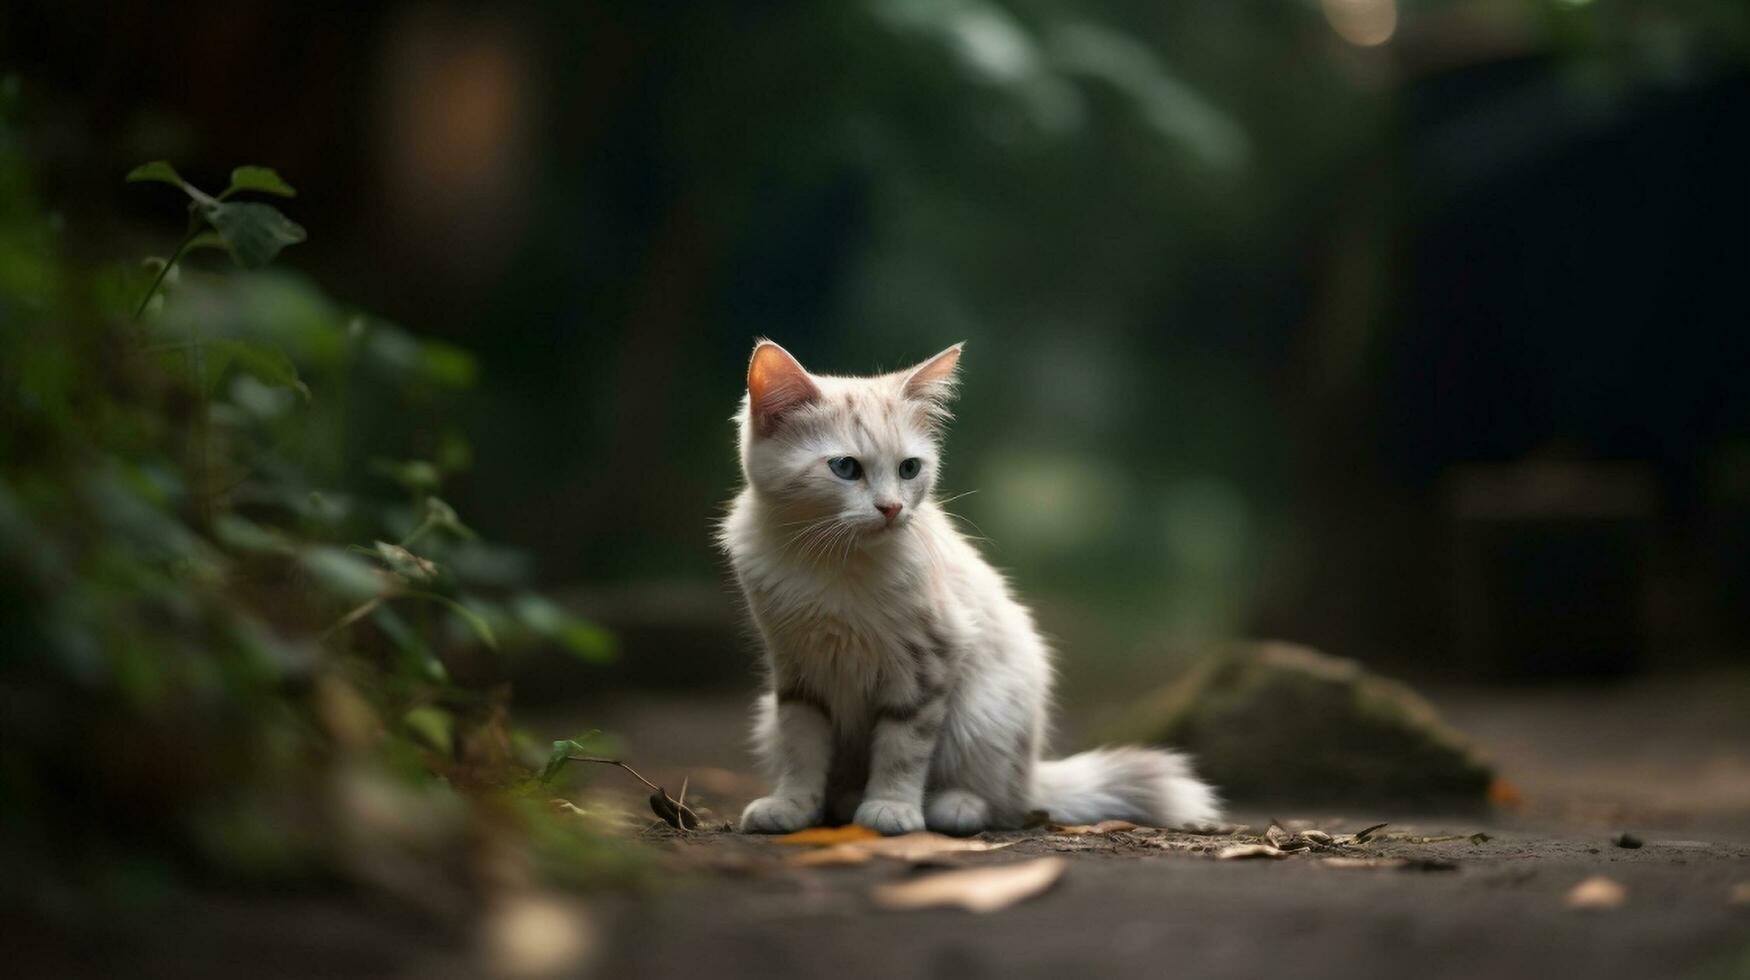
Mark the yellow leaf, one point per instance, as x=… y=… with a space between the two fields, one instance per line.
x=979 y=890
x=818 y=836
x=833 y=855
x=923 y=845
x=920 y=846
x=1103 y=827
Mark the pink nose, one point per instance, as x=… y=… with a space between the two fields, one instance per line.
x=889 y=511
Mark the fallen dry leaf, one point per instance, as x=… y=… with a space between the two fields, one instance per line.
x=1597 y=892
x=923 y=844
x=1103 y=827
x=1740 y=894
x=1241 y=851
x=920 y=846
x=820 y=836
x=980 y=890
x=1362 y=862
x=831 y=856
x=1361 y=836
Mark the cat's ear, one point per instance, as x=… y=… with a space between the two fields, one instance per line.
x=933 y=381
x=776 y=384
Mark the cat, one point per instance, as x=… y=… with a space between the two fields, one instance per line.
x=907 y=687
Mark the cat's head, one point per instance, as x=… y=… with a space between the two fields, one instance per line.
x=861 y=454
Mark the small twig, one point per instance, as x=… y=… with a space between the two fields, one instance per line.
x=678 y=805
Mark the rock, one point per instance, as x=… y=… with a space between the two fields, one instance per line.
x=1283 y=723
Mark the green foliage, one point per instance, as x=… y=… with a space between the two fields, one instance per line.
x=253 y=233
x=260 y=179
x=158 y=171
x=234 y=620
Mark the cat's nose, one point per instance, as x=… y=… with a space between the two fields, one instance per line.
x=889 y=511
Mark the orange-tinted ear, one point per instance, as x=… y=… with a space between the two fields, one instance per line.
x=933 y=380
x=776 y=383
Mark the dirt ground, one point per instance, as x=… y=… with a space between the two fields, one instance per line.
x=1123 y=911
x=1668 y=763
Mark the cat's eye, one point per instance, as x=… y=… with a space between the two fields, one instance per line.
x=845 y=467
x=909 y=468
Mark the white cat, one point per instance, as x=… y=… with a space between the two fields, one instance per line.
x=908 y=688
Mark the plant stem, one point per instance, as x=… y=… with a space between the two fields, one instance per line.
x=418 y=532
x=359 y=612
x=175 y=256
x=679 y=806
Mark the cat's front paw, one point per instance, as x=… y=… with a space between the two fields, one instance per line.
x=958 y=812
x=776 y=815
x=890 y=816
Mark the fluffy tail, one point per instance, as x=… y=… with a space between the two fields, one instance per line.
x=1153 y=787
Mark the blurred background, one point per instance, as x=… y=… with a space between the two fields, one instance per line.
x=1407 y=329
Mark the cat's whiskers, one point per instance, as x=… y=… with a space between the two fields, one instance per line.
x=826 y=542
x=980 y=536
x=808 y=536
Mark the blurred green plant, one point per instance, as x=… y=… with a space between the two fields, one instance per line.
x=231 y=640
x=253 y=233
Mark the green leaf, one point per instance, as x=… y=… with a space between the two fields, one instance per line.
x=447 y=364
x=414 y=474
x=269 y=365
x=254 y=233
x=454 y=454
x=159 y=171
x=475 y=621
x=442 y=515
x=435 y=726
x=249 y=537
x=430 y=360
x=562 y=750
x=206 y=239
x=262 y=180
x=581 y=638
x=416 y=654
x=342 y=574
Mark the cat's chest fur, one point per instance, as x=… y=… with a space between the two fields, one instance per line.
x=848 y=638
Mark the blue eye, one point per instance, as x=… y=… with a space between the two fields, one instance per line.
x=909 y=468
x=845 y=467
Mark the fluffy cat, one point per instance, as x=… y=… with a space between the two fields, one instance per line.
x=908 y=688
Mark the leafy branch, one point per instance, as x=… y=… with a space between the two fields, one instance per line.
x=254 y=233
x=673 y=811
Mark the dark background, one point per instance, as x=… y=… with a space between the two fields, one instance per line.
x=1412 y=331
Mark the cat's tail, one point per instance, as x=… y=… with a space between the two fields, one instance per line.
x=1152 y=787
